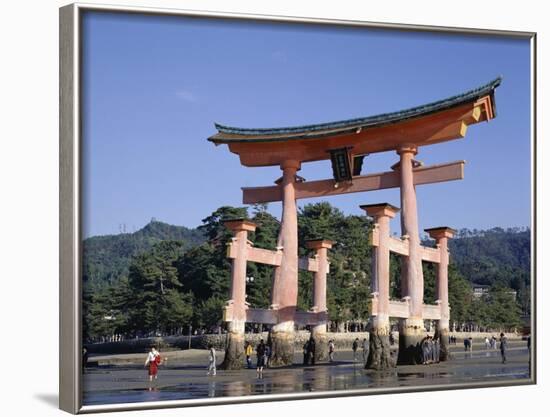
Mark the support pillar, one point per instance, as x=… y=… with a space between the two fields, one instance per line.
x=285 y=280
x=319 y=331
x=441 y=236
x=411 y=330
x=379 y=334
x=235 y=310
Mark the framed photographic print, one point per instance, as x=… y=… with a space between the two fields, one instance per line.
x=259 y=208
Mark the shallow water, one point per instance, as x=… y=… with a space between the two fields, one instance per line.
x=466 y=367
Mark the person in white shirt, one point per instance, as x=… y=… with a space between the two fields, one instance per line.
x=152 y=362
x=331 y=351
x=211 y=360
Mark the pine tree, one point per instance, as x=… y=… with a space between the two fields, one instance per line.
x=157 y=304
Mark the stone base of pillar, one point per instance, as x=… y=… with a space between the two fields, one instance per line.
x=281 y=339
x=380 y=355
x=443 y=336
x=319 y=334
x=234 y=351
x=411 y=333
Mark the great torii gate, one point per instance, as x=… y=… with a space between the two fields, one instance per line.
x=346 y=143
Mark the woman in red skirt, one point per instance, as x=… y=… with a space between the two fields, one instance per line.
x=152 y=362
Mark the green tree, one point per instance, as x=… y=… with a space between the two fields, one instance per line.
x=97 y=316
x=265 y=237
x=503 y=312
x=460 y=296
x=208 y=313
x=428 y=269
x=157 y=303
x=348 y=283
x=205 y=270
x=213 y=227
x=106 y=311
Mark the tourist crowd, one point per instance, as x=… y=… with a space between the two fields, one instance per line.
x=430 y=352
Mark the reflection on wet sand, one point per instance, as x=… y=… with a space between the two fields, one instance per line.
x=236 y=389
x=190 y=383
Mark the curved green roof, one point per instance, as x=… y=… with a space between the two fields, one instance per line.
x=316 y=130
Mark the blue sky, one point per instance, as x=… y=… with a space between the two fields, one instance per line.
x=153 y=86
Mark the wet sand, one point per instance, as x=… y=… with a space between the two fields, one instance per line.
x=184 y=376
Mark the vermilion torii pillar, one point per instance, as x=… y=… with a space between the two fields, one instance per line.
x=379 y=342
x=234 y=353
x=319 y=331
x=411 y=330
x=441 y=236
x=285 y=277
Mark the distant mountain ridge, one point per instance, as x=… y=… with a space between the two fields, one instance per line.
x=107 y=258
x=481 y=256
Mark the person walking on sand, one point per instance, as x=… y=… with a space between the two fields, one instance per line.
x=331 y=350
x=424 y=348
x=152 y=363
x=354 y=347
x=84 y=359
x=311 y=351
x=260 y=358
x=365 y=347
x=268 y=353
x=305 y=351
x=248 y=352
x=211 y=360
x=437 y=350
x=503 y=347
x=430 y=346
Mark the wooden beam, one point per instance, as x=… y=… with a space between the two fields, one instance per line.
x=270 y=257
x=423 y=175
x=431 y=312
x=399 y=309
x=399 y=246
x=271 y=316
x=308 y=264
x=310 y=318
x=430 y=254
x=261 y=315
x=264 y=256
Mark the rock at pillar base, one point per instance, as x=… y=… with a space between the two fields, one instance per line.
x=234 y=351
x=443 y=336
x=411 y=333
x=380 y=354
x=321 y=344
x=282 y=347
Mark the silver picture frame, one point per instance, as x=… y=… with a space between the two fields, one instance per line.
x=70 y=212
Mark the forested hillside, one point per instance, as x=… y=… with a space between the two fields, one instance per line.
x=107 y=258
x=493 y=256
x=496 y=257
